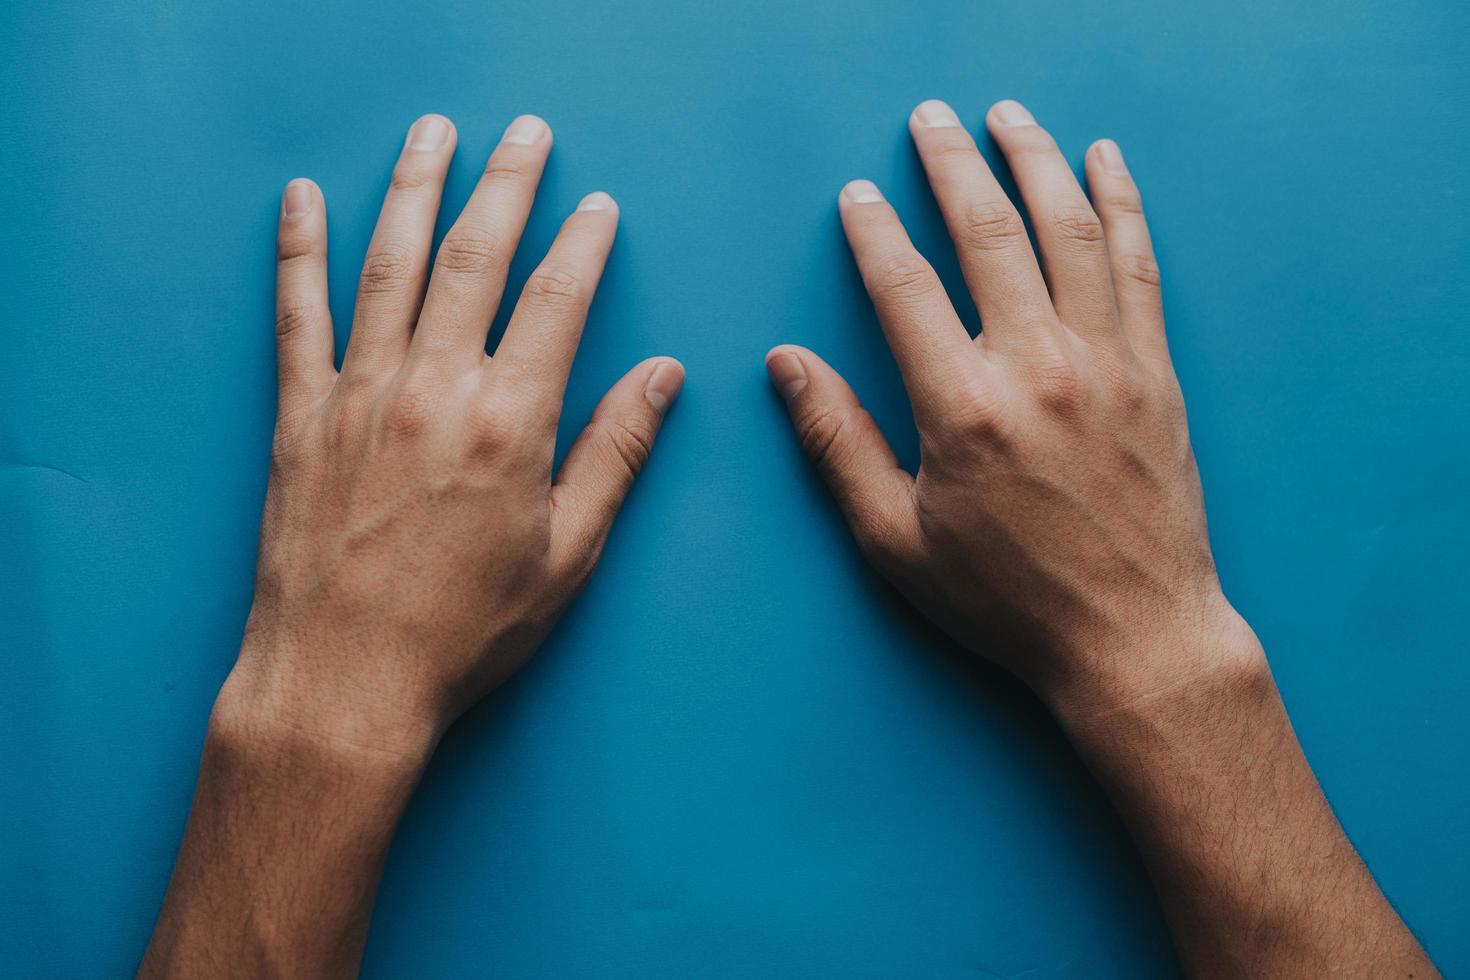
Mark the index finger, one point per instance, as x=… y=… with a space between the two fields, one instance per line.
x=541 y=339
x=989 y=235
x=926 y=335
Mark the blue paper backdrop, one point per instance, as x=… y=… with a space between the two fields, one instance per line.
x=739 y=756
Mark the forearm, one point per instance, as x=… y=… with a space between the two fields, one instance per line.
x=415 y=547
x=1256 y=875
x=281 y=858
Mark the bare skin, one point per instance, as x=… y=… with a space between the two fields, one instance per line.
x=415 y=549
x=1056 y=526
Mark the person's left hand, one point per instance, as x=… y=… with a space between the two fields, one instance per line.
x=415 y=548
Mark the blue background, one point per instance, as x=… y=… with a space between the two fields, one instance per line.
x=739 y=756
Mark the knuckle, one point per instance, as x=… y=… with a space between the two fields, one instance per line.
x=407 y=178
x=284 y=458
x=632 y=441
x=290 y=318
x=467 y=251
x=1135 y=399
x=990 y=226
x=505 y=169
x=1058 y=388
x=952 y=145
x=407 y=413
x=341 y=429
x=879 y=544
x=358 y=386
x=825 y=434
x=1139 y=269
x=1171 y=399
x=1124 y=382
x=387 y=267
x=554 y=284
x=288 y=445
x=1030 y=141
x=901 y=276
x=977 y=416
x=290 y=248
x=492 y=434
x=491 y=437
x=1122 y=202
x=1078 y=226
x=577 y=560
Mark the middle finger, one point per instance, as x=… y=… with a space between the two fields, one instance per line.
x=474 y=259
x=1067 y=230
x=989 y=235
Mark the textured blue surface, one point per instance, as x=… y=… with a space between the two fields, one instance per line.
x=738 y=756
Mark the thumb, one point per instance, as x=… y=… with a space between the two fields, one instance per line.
x=607 y=457
x=847 y=448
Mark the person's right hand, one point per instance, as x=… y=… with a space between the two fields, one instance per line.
x=1056 y=522
x=1056 y=525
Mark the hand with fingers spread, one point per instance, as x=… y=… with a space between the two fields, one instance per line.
x=1056 y=526
x=1057 y=514
x=414 y=550
x=414 y=541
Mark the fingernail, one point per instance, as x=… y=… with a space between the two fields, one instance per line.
x=1011 y=113
x=428 y=133
x=297 y=200
x=663 y=385
x=596 y=201
x=787 y=373
x=1111 y=157
x=524 y=131
x=934 y=114
x=862 y=192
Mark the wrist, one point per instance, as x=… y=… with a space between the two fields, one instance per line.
x=1207 y=654
x=287 y=835
x=268 y=705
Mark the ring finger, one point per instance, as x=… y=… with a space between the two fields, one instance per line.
x=1068 y=233
x=392 y=283
x=474 y=258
